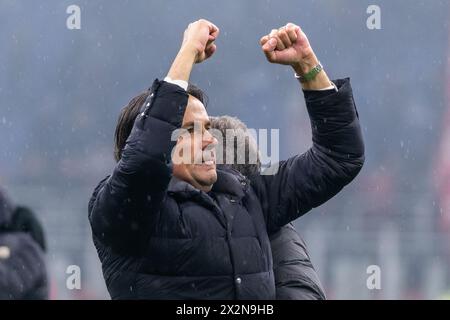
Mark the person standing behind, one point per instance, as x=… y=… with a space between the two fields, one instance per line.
x=23 y=274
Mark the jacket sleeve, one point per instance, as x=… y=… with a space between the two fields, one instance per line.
x=295 y=276
x=124 y=203
x=308 y=180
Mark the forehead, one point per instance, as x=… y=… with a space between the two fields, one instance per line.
x=195 y=111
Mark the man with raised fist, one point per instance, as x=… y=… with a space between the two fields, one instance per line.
x=167 y=224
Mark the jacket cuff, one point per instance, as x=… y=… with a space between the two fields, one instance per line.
x=323 y=105
x=167 y=102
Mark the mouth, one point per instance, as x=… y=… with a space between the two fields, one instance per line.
x=205 y=160
x=208 y=163
x=208 y=159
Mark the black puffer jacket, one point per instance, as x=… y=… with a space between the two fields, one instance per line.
x=159 y=238
x=22 y=265
x=295 y=276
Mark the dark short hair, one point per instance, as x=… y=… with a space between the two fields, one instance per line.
x=131 y=110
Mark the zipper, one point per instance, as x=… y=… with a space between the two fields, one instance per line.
x=228 y=239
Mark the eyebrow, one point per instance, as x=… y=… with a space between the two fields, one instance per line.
x=191 y=124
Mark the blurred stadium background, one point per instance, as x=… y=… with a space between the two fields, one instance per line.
x=61 y=91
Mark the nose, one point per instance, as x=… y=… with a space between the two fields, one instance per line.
x=208 y=140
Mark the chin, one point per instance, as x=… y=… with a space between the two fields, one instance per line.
x=212 y=178
x=208 y=179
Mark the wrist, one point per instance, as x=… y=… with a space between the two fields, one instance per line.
x=306 y=65
x=182 y=65
x=188 y=50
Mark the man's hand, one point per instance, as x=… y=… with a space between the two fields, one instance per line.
x=198 y=45
x=290 y=46
x=287 y=45
x=199 y=37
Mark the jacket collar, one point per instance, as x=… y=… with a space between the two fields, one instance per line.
x=230 y=184
x=229 y=181
x=181 y=188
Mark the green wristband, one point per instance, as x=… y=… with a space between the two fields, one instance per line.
x=311 y=75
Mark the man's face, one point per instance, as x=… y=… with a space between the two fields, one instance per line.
x=194 y=159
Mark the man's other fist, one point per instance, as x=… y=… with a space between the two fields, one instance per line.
x=288 y=45
x=199 y=37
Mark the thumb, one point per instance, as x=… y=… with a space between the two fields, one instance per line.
x=269 y=49
x=209 y=51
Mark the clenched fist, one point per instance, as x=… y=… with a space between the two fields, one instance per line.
x=199 y=37
x=198 y=45
x=289 y=46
